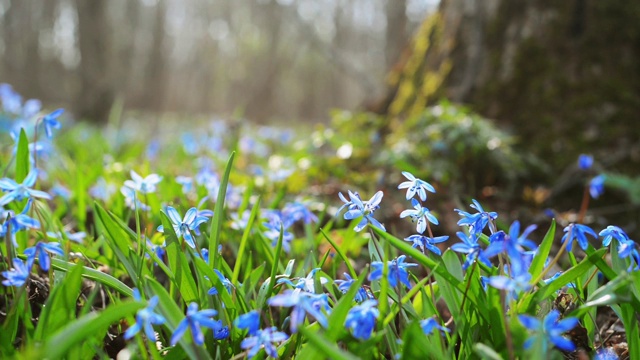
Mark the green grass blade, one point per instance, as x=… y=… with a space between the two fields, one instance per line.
x=216 y=223
x=183 y=278
x=344 y=258
x=537 y=264
x=22 y=157
x=243 y=242
x=95 y=275
x=328 y=348
x=341 y=309
x=88 y=326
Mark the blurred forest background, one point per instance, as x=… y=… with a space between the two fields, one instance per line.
x=286 y=59
x=541 y=82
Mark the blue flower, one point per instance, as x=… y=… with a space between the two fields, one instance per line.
x=145 y=318
x=512 y=244
x=585 y=162
x=344 y=285
x=613 y=232
x=131 y=199
x=223 y=280
x=361 y=319
x=146 y=185
x=606 y=354
x=577 y=232
x=415 y=185
x=306 y=283
x=357 y=207
x=50 y=122
x=298 y=211
x=21 y=191
x=478 y=221
x=194 y=320
x=425 y=242
x=303 y=303
x=551 y=328
x=18 y=275
x=470 y=246
x=75 y=237
x=513 y=285
x=183 y=227
x=627 y=249
x=264 y=338
x=420 y=215
x=273 y=233
x=249 y=321
x=428 y=325
x=42 y=251
x=397 y=271
x=20 y=222
x=596 y=186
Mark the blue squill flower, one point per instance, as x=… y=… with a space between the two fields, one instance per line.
x=50 y=122
x=585 y=162
x=18 y=192
x=184 y=226
x=223 y=280
x=420 y=215
x=302 y=303
x=194 y=320
x=613 y=232
x=357 y=208
x=430 y=324
x=577 y=232
x=551 y=328
x=249 y=321
x=264 y=339
x=145 y=318
x=428 y=243
x=146 y=185
x=478 y=221
x=596 y=186
x=344 y=285
x=470 y=246
x=19 y=222
x=361 y=319
x=42 y=251
x=397 y=271
x=416 y=186
x=18 y=275
x=306 y=283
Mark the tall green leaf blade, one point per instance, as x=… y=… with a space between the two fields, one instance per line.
x=243 y=241
x=22 y=157
x=324 y=346
x=216 y=223
x=537 y=264
x=183 y=278
x=88 y=326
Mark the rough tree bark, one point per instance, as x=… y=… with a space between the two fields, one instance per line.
x=563 y=76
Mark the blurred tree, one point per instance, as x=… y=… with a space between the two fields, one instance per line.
x=97 y=89
x=563 y=76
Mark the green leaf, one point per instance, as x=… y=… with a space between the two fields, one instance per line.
x=568 y=276
x=324 y=346
x=183 y=278
x=88 y=326
x=243 y=242
x=22 y=157
x=95 y=275
x=486 y=352
x=216 y=223
x=537 y=264
x=60 y=308
x=344 y=258
x=173 y=314
x=341 y=309
x=116 y=238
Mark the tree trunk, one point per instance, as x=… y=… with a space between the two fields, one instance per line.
x=97 y=92
x=563 y=76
